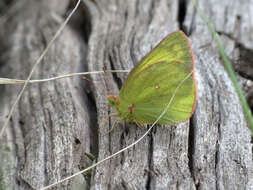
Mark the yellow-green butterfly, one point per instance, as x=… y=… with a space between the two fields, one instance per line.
x=153 y=81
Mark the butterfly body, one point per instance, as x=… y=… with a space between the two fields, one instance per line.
x=152 y=83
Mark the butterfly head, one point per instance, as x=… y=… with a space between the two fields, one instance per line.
x=113 y=100
x=123 y=110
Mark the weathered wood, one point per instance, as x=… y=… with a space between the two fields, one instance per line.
x=222 y=157
x=55 y=123
x=49 y=130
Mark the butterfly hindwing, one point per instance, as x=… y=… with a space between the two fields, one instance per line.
x=152 y=89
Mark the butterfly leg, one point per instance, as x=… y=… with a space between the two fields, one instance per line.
x=138 y=124
x=105 y=120
x=113 y=125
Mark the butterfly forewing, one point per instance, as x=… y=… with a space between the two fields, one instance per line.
x=175 y=46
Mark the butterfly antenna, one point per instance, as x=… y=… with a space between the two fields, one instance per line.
x=108 y=79
x=94 y=83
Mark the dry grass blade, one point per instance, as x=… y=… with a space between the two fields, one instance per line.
x=34 y=67
x=17 y=81
x=127 y=147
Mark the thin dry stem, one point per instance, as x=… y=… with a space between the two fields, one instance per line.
x=127 y=147
x=18 y=81
x=34 y=67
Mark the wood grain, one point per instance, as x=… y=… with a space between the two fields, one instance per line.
x=56 y=122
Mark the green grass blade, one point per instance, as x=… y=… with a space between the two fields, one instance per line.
x=228 y=67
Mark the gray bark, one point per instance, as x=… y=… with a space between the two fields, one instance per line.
x=56 y=123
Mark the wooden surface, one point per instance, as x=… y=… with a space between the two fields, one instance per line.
x=55 y=123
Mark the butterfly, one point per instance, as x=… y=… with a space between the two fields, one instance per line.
x=164 y=74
